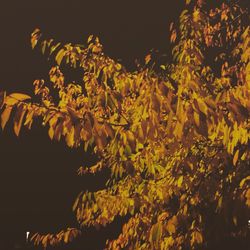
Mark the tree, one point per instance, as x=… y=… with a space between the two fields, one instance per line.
x=175 y=139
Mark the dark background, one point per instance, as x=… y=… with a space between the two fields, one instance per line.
x=38 y=177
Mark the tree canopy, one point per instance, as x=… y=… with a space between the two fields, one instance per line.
x=175 y=137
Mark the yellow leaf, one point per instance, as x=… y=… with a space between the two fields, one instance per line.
x=18 y=119
x=196 y=119
x=14 y=98
x=173 y=36
x=2 y=98
x=235 y=220
x=147 y=58
x=180 y=180
x=171 y=225
x=196 y=15
x=5 y=116
x=196 y=238
x=90 y=38
x=178 y=130
x=170 y=228
x=244 y=180
x=236 y=156
x=29 y=119
x=59 y=56
x=202 y=106
x=70 y=137
x=66 y=236
x=51 y=132
x=156 y=233
x=36 y=34
x=19 y=96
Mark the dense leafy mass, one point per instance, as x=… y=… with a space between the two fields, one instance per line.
x=176 y=139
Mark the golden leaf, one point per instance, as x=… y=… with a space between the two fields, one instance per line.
x=244 y=180
x=170 y=228
x=147 y=58
x=2 y=98
x=70 y=137
x=18 y=119
x=202 y=106
x=196 y=119
x=173 y=36
x=36 y=34
x=14 y=98
x=196 y=238
x=236 y=156
x=180 y=180
x=5 y=116
x=60 y=56
x=155 y=233
x=171 y=225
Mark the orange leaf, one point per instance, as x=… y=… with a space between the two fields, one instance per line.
x=5 y=116
x=236 y=156
x=18 y=119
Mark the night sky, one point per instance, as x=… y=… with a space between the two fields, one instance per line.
x=38 y=180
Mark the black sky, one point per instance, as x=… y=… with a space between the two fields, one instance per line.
x=38 y=179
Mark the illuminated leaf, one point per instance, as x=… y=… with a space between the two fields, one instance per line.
x=147 y=59
x=196 y=238
x=5 y=116
x=15 y=98
x=2 y=98
x=155 y=233
x=244 y=180
x=59 y=56
x=180 y=180
x=236 y=156
x=18 y=119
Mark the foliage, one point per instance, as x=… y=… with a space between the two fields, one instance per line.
x=176 y=139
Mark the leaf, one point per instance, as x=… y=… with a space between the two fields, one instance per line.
x=35 y=36
x=196 y=238
x=45 y=240
x=2 y=98
x=155 y=233
x=66 y=237
x=236 y=156
x=180 y=180
x=53 y=48
x=59 y=56
x=18 y=119
x=90 y=38
x=196 y=119
x=244 y=180
x=235 y=220
x=147 y=59
x=171 y=225
x=202 y=106
x=5 y=116
x=70 y=137
x=19 y=96
x=173 y=36
x=29 y=119
x=14 y=98
x=219 y=205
